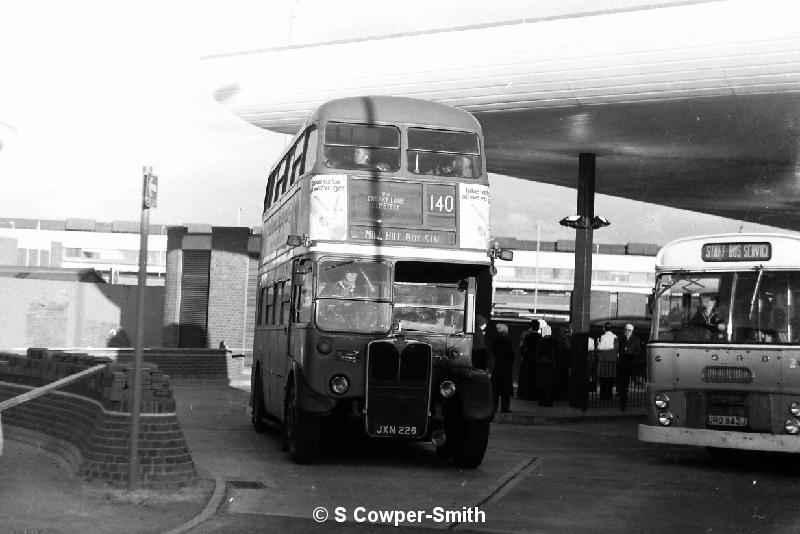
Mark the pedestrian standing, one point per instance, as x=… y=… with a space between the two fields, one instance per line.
x=502 y=376
x=529 y=344
x=607 y=352
x=546 y=368
x=563 y=358
x=630 y=351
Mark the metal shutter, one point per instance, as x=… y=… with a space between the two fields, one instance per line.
x=193 y=321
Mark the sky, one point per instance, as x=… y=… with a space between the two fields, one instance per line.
x=91 y=91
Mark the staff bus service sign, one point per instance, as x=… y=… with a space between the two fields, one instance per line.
x=759 y=251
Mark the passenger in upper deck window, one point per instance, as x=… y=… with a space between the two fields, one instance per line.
x=463 y=167
x=363 y=159
x=333 y=158
x=445 y=166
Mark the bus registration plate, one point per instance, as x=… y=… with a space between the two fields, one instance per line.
x=726 y=420
x=410 y=431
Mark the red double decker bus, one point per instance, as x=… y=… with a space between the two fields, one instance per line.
x=374 y=265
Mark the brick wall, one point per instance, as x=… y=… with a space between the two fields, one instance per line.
x=227 y=293
x=206 y=364
x=233 y=270
x=87 y=423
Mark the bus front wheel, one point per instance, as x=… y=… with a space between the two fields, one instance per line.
x=470 y=447
x=302 y=432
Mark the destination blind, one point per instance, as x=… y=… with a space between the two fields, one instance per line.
x=740 y=251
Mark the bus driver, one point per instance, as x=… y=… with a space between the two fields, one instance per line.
x=708 y=317
x=346 y=287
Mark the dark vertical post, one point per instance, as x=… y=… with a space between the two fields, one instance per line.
x=148 y=200
x=582 y=288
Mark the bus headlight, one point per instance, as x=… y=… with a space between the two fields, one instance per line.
x=453 y=353
x=792 y=426
x=339 y=384
x=665 y=418
x=795 y=409
x=447 y=389
x=324 y=345
x=661 y=401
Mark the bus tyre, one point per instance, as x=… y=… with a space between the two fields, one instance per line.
x=302 y=432
x=258 y=404
x=471 y=446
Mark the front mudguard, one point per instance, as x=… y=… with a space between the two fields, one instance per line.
x=474 y=393
x=308 y=400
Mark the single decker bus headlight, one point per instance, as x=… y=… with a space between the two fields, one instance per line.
x=795 y=409
x=339 y=384
x=792 y=426
x=447 y=389
x=661 y=401
x=665 y=418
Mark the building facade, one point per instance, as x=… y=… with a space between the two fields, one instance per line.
x=210 y=287
x=110 y=248
x=538 y=282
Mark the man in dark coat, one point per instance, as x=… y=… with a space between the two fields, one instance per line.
x=630 y=352
x=529 y=345
x=546 y=370
x=502 y=376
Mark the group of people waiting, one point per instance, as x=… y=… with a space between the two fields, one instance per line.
x=547 y=358
x=544 y=369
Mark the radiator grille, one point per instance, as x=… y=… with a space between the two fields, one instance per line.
x=754 y=406
x=727 y=375
x=398 y=386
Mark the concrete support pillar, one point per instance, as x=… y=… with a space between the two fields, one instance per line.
x=582 y=289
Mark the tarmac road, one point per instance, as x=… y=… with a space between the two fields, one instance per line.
x=581 y=475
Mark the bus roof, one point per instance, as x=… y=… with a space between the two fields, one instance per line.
x=730 y=252
x=395 y=110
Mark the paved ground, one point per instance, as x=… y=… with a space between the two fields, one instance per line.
x=37 y=495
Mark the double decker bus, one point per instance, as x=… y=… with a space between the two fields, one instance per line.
x=723 y=355
x=373 y=268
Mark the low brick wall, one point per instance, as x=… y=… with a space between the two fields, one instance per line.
x=87 y=423
x=200 y=364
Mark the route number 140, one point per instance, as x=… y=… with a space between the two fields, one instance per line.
x=442 y=203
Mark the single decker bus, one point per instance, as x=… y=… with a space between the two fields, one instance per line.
x=724 y=354
x=375 y=264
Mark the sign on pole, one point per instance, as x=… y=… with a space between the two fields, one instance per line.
x=150 y=194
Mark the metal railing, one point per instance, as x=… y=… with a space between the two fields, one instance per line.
x=605 y=385
x=43 y=390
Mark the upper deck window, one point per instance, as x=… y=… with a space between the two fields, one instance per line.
x=362 y=147
x=443 y=153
